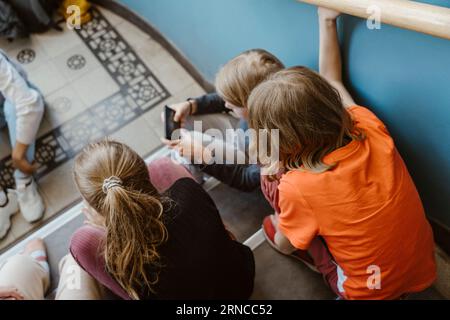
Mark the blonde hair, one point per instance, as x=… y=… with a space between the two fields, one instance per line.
x=114 y=180
x=237 y=78
x=309 y=114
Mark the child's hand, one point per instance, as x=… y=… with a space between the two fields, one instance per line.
x=10 y=293
x=189 y=148
x=328 y=14
x=182 y=111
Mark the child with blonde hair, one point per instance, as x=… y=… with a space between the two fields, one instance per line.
x=225 y=110
x=153 y=232
x=347 y=204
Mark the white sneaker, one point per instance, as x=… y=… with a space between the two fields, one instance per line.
x=9 y=207
x=30 y=202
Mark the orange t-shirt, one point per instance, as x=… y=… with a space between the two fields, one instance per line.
x=369 y=213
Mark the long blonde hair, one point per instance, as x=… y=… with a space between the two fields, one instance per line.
x=131 y=210
x=237 y=78
x=309 y=114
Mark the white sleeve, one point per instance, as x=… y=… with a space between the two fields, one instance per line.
x=28 y=102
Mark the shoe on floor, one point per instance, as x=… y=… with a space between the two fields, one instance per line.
x=8 y=207
x=301 y=255
x=30 y=202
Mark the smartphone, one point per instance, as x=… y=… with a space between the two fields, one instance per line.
x=171 y=125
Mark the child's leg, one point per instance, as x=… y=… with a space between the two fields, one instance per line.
x=28 y=273
x=270 y=191
x=75 y=283
x=224 y=148
x=317 y=257
x=164 y=173
x=269 y=188
x=86 y=247
x=220 y=124
x=325 y=264
x=31 y=204
x=317 y=252
x=10 y=116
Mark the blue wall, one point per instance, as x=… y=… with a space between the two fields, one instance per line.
x=402 y=75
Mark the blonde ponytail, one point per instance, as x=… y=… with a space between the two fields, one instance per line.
x=114 y=180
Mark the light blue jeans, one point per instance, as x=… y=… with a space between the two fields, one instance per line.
x=8 y=117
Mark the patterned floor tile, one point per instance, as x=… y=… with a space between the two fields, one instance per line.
x=27 y=52
x=135 y=37
x=170 y=72
x=63 y=105
x=47 y=78
x=55 y=42
x=139 y=136
x=75 y=62
x=58 y=189
x=94 y=86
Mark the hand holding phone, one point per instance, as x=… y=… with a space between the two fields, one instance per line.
x=170 y=124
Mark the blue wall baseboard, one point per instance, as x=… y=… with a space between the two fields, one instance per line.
x=402 y=75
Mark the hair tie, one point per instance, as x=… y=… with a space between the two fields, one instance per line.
x=111 y=182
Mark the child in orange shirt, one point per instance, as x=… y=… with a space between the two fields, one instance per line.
x=347 y=204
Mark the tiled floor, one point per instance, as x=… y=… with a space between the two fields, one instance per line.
x=108 y=79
